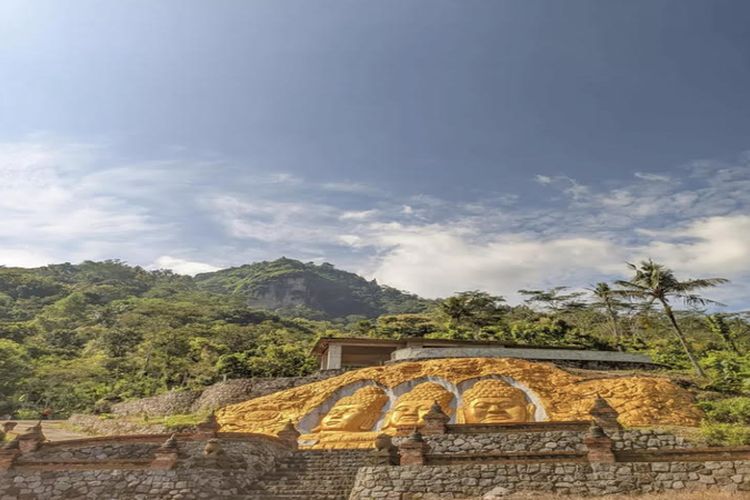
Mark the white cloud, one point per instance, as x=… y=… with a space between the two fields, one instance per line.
x=715 y=245
x=652 y=177
x=349 y=187
x=51 y=194
x=24 y=257
x=358 y=215
x=439 y=260
x=69 y=202
x=182 y=266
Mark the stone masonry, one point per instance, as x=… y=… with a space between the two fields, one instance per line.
x=214 y=396
x=635 y=439
x=498 y=479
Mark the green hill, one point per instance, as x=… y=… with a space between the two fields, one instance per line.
x=291 y=287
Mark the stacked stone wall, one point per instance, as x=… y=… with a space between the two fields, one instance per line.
x=214 y=396
x=635 y=439
x=122 y=484
x=122 y=468
x=497 y=479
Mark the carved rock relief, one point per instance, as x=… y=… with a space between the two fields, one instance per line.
x=639 y=400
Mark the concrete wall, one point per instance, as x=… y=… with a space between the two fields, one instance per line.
x=497 y=480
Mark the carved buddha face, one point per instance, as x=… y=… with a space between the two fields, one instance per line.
x=355 y=413
x=495 y=402
x=411 y=407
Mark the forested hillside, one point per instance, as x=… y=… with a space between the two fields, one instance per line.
x=73 y=337
x=315 y=291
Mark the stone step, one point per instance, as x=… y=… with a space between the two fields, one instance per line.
x=310 y=475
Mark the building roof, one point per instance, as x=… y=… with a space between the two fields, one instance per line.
x=321 y=345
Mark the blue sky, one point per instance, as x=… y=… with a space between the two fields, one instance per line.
x=434 y=145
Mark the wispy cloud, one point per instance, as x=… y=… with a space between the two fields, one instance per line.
x=64 y=201
x=652 y=177
x=182 y=266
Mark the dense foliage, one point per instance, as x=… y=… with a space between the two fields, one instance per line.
x=73 y=337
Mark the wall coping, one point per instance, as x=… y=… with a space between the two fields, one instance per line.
x=159 y=438
x=539 y=354
x=545 y=426
x=557 y=456
x=703 y=454
x=707 y=454
x=71 y=464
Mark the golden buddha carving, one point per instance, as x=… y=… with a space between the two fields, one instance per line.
x=640 y=400
x=493 y=401
x=411 y=407
x=355 y=413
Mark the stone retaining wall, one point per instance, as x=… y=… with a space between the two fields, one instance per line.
x=635 y=439
x=123 y=468
x=122 y=484
x=497 y=479
x=214 y=396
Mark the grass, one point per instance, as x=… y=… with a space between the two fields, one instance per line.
x=175 y=422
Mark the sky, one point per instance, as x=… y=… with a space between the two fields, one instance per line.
x=434 y=145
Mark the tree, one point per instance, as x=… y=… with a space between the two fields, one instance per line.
x=653 y=282
x=553 y=299
x=473 y=309
x=718 y=325
x=606 y=300
x=398 y=326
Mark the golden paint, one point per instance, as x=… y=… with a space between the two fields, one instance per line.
x=639 y=400
x=355 y=413
x=411 y=407
x=495 y=402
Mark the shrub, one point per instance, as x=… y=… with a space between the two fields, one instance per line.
x=717 y=434
x=728 y=411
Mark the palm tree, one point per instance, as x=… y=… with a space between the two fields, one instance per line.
x=606 y=299
x=554 y=299
x=718 y=325
x=655 y=283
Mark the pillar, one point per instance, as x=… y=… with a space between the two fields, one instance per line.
x=8 y=454
x=604 y=415
x=289 y=435
x=413 y=450
x=599 y=446
x=333 y=357
x=165 y=456
x=435 y=420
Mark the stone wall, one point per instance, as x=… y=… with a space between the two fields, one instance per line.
x=635 y=439
x=647 y=439
x=121 y=484
x=214 y=396
x=93 y=424
x=498 y=479
x=122 y=468
x=169 y=403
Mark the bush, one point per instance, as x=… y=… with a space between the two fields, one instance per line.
x=728 y=411
x=28 y=414
x=728 y=371
x=717 y=434
x=182 y=422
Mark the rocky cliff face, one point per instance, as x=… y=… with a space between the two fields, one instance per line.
x=307 y=289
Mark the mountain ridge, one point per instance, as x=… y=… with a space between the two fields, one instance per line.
x=285 y=286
